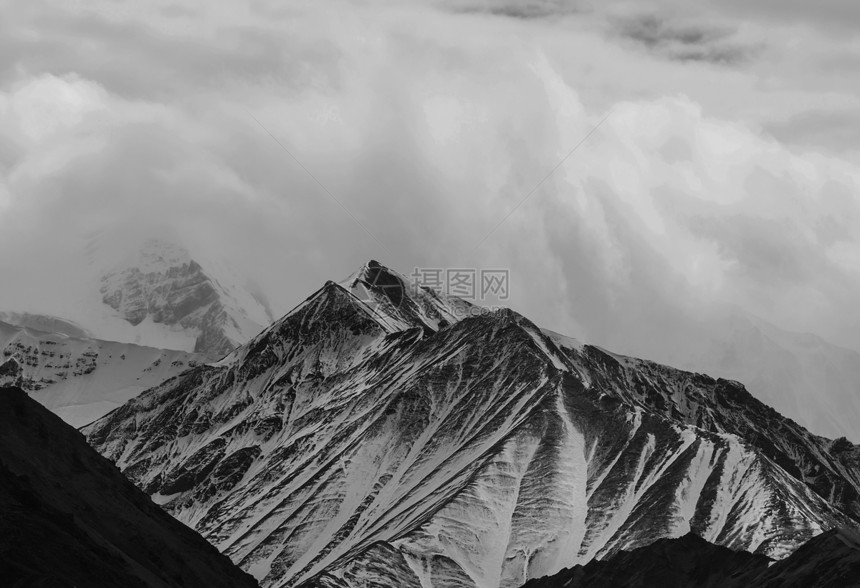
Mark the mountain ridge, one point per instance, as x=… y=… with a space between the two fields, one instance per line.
x=476 y=452
x=826 y=561
x=71 y=519
x=800 y=374
x=81 y=378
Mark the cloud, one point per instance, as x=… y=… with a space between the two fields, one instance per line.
x=684 y=41
x=520 y=9
x=429 y=126
x=836 y=129
x=834 y=15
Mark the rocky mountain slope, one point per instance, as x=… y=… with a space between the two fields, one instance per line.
x=68 y=518
x=801 y=375
x=375 y=437
x=81 y=378
x=829 y=560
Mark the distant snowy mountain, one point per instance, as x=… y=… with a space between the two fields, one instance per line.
x=380 y=435
x=147 y=288
x=44 y=323
x=138 y=310
x=81 y=378
x=171 y=300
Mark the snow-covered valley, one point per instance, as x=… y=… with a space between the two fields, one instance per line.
x=81 y=378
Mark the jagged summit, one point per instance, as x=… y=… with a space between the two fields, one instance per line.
x=403 y=301
x=329 y=320
x=394 y=301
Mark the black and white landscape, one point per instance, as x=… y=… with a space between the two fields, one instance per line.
x=381 y=441
x=429 y=294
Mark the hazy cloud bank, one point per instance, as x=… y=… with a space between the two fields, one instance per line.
x=429 y=122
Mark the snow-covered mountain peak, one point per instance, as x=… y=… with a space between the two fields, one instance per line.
x=329 y=320
x=161 y=286
x=156 y=256
x=403 y=301
x=146 y=286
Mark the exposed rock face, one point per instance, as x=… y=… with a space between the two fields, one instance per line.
x=722 y=406
x=164 y=285
x=11 y=373
x=70 y=519
x=365 y=440
x=826 y=561
x=81 y=378
x=138 y=295
x=402 y=305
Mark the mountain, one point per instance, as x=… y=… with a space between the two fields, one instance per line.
x=381 y=435
x=801 y=375
x=400 y=304
x=829 y=560
x=70 y=519
x=81 y=378
x=142 y=285
x=44 y=323
x=151 y=313
x=684 y=562
x=147 y=313
x=169 y=298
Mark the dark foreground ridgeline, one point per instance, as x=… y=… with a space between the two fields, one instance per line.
x=68 y=517
x=830 y=560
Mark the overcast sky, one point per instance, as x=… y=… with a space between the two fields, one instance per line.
x=726 y=173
